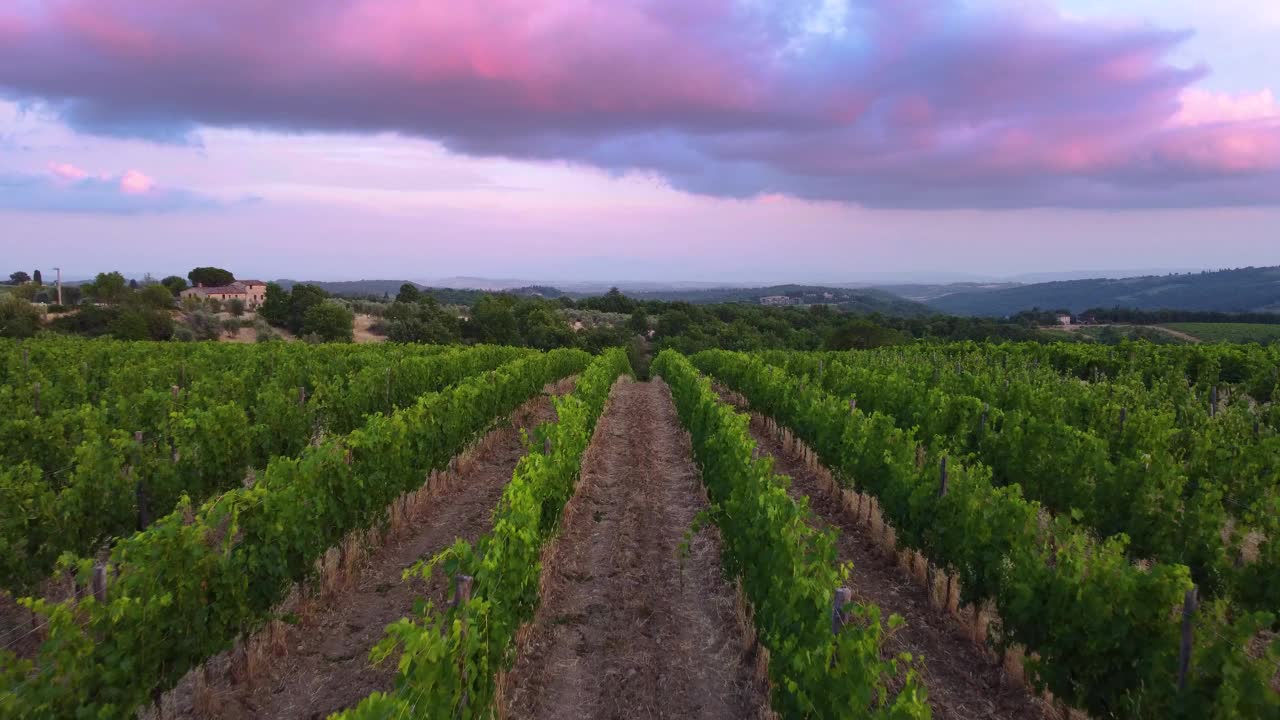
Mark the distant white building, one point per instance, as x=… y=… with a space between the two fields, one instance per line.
x=1064 y=320
x=775 y=300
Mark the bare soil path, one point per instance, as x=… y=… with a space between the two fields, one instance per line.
x=1159 y=328
x=962 y=681
x=622 y=631
x=325 y=666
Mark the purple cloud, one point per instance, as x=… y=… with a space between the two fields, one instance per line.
x=886 y=103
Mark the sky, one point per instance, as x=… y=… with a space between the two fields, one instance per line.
x=690 y=140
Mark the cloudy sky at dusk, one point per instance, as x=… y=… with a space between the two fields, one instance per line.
x=740 y=140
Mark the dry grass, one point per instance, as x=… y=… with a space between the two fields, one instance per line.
x=363 y=332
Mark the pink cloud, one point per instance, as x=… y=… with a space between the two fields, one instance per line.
x=1201 y=107
x=67 y=171
x=67 y=188
x=957 y=106
x=135 y=183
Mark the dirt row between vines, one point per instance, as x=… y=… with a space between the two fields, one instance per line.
x=964 y=682
x=319 y=664
x=624 y=629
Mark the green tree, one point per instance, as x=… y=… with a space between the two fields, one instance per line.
x=422 y=322
x=210 y=277
x=109 y=288
x=615 y=301
x=638 y=322
x=493 y=321
x=542 y=328
x=235 y=306
x=36 y=279
x=600 y=338
x=18 y=318
x=863 y=334
x=130 y=325
x=175 y=284
x=302 y=299
x=275 y=306
x=674 y=322
x=19 y=278
x=155 y=296
x=330 y=321
x=160 y=324
x=408 y=294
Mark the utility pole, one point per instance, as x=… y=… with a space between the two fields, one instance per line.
x=59 y=284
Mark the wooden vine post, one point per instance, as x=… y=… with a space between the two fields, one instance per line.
x=302 y=396
x=100 y=581
x=139 y=489
x=930 y=579
x=1184 y=657
x=462 y=596
x=839 y=618
x=1213 y=401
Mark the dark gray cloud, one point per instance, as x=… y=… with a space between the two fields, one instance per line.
x=887 y=103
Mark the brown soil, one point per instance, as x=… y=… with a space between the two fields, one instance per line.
x=963 y=681
x=1159 y=328
x=21 y=632
x=622 y=631
x=324 y=665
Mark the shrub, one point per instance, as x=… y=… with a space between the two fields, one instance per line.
x=155 y=296
x=330 y=321
x=129 y=325
x=91 y=321
x=18 y=318
x=203 y=325
x=263 y=332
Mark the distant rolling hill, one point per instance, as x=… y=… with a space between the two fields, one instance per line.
x=862 y=300
x=389 y=288
x=1244 y=290
x=924 y=292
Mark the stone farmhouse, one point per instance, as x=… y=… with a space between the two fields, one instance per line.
x=250 y=292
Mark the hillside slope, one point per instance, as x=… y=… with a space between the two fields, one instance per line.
x=1243 y=290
